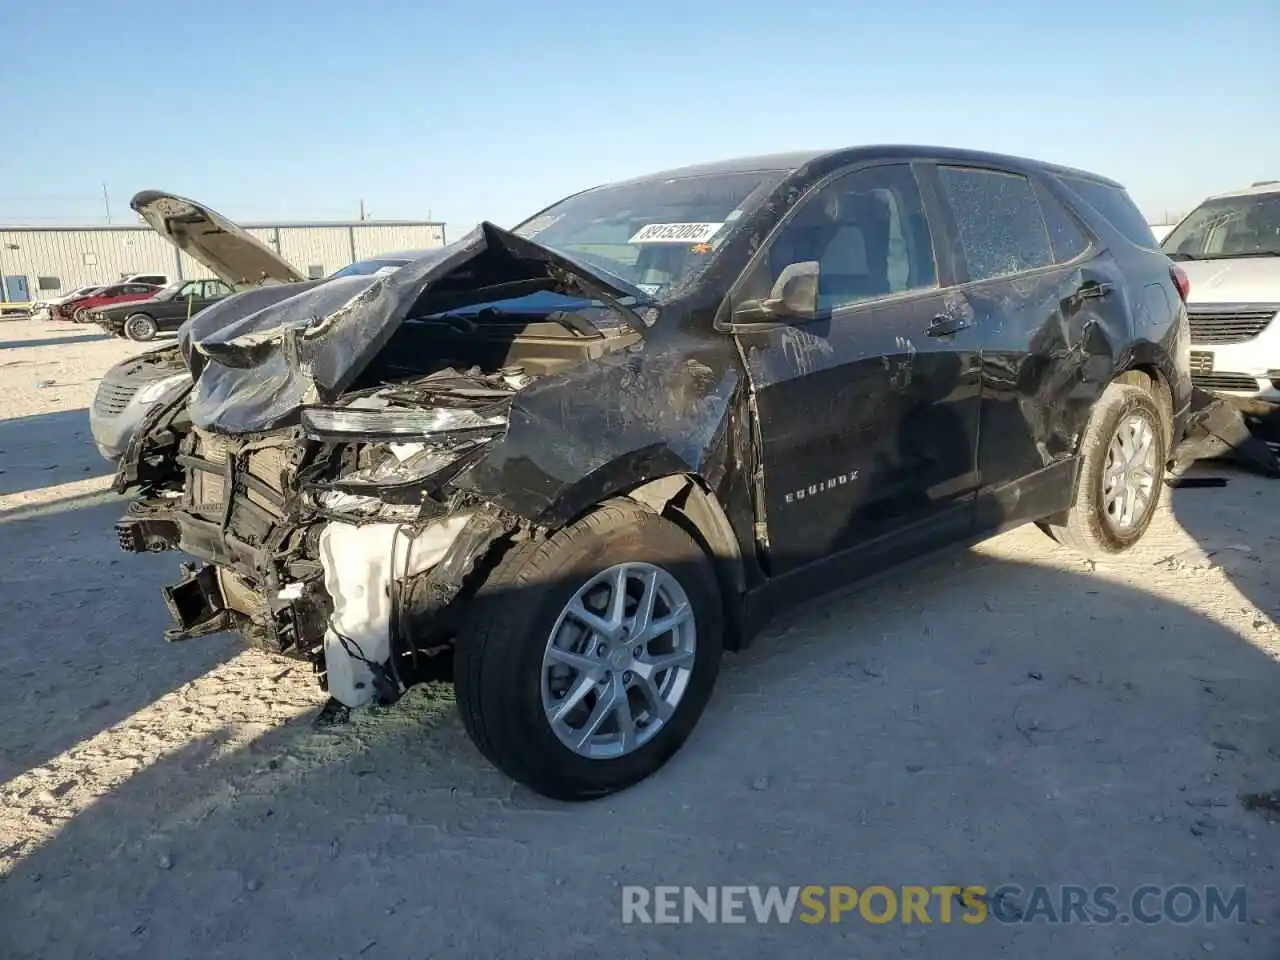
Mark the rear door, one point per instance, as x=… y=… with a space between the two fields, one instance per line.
x=868 y=414
x=1044 y=296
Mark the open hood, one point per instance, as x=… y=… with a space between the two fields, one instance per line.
x=260 y=356
x=235 y=257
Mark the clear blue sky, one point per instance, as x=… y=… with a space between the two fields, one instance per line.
x=476 y=109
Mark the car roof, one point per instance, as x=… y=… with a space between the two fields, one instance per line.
x=1268 y=186
x=795 y=160
x=762 y=163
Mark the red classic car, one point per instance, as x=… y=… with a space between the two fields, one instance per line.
x=116 y=293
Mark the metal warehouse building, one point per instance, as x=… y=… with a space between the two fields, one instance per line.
x=45 y=262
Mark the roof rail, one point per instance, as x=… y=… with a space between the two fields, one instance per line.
x=1263 y=183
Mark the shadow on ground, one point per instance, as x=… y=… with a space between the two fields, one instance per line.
x=53 y=341
x=47 y=449
x=968 y=720
x=81 y=644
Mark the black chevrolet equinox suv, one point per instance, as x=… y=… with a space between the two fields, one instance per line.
x=567 y=464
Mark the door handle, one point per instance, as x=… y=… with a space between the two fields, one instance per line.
x=945 y=325
x=1093 y=290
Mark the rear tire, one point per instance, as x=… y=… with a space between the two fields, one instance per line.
x=1121 y=476
x=140 y=328
x=523 y=657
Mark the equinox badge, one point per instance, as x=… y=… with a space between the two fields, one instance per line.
x=822 y=487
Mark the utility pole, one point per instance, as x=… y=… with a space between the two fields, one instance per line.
x=106 y=201
x=362 y=210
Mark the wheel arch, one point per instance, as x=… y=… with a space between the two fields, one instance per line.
x=1149 y=375
x=659 y=480
x=686 y=500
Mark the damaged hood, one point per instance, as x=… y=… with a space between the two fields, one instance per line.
x=260 y=356
x=1243 y=280
x=234 y=255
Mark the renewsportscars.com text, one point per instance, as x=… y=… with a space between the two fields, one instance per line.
x=939 y=903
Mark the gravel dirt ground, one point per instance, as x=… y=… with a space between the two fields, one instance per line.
x=1003 y=715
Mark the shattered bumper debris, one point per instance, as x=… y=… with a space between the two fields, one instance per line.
x=1221 y=429
x=311 y=464
x=331 y=542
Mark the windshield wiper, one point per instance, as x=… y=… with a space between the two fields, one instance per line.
x=595 y=291
x=1181 y=256
x=566 y=318
x=1242 y=255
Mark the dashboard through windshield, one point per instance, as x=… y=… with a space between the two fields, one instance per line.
x=1244 y=226
x=655 y=234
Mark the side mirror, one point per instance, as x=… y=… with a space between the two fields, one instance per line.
x=795 y=293
x=794 y=296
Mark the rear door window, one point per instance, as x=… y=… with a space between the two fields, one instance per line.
x=998 y=219
x=1115 y=204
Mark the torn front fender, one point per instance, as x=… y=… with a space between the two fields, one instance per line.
x=575 y=438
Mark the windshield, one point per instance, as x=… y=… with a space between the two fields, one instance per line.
x=1247 y=226
x=366 y=268
x=654 y=234
x=169 y=292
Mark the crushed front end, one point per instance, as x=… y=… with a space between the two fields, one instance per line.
x=338 y=541
x=311 y=466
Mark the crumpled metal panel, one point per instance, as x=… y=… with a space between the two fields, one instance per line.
x=266 y=356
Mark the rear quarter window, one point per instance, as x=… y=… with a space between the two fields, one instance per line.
x=1065 y=234
x=1118 y=207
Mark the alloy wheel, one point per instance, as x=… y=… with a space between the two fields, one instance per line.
x=619 y=660
x=1130 y=473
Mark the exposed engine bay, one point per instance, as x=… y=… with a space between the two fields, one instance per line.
x=335 y=535
x=320 y=548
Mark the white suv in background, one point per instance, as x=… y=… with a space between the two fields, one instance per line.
x=1229 y=247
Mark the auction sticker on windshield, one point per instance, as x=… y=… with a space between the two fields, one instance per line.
x=675 y=233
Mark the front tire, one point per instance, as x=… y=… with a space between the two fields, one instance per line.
x=588 y=657
x=1122 y=461
x=140 y=328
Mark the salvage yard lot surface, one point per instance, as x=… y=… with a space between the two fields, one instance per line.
x=1007 y=714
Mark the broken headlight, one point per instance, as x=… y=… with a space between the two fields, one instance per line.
x=392 y=464
x=390 y=480
x=386 y=457
x=157 y=389
x=338 y=423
